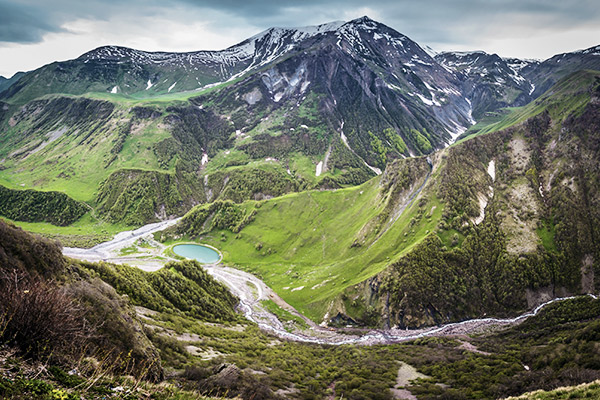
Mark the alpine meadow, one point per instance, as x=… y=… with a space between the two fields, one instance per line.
x=331 y=211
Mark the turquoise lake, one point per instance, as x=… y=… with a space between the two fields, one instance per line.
x=202 y=254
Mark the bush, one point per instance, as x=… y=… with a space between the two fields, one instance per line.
x=36 y=206
x=39 y=318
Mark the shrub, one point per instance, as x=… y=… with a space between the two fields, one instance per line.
x=39 y=318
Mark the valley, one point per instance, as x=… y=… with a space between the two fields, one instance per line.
x=389 y=222
x=252 y=292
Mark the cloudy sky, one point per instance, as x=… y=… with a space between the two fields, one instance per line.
x=36 y=32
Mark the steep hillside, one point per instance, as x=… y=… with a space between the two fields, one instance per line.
x=519 y=242
x=490 y=82
x=5 y=83
x=489 y=230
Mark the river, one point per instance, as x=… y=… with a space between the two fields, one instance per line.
x=251 y=291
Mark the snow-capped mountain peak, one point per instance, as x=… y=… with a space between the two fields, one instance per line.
x=594 y=51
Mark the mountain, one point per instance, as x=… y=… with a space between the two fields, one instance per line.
x=5 y=83
x=484 y=226
x=326 y=106
x=388 y=67
x=315 y=107
x=123 y=70
x=489 y=81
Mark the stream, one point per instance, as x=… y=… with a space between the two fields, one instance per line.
x=251 y=291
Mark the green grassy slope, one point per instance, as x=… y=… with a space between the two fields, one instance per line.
x=310 y=246
x=348 y=251
x=569 y=95
x=93 y=147
x=72 y=145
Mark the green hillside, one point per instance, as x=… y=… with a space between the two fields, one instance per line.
x=310 y=246
x=100 y=149
x=470 y=243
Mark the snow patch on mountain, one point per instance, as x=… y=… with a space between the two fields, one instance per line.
x=491 y=169
x=319 y=168
x=594 y=51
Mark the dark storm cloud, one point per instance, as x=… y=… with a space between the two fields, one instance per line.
x=444 y=21
x=413 y=12
x=437 y=21
x=21 y=24
x=27 y=21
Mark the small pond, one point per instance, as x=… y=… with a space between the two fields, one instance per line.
x=202 y=254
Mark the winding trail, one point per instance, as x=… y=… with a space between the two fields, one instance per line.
x=251 y=291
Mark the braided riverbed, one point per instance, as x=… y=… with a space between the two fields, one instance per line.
x=252 y=291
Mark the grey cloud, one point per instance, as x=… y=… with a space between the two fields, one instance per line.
x=439 y=21
x=19 y=24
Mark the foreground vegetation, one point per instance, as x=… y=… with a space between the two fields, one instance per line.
x=583 y=391
x=199 y=345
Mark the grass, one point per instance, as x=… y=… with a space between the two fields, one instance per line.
x=583 y=391
x=128 y=250
x=146 y=99
x=85 y=226
x=546 y=233
x=306 y=167
x=75 y=168
x=225 y=159
x=283 y=315
x=303 y=244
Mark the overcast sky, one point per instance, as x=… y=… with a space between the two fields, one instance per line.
x=37 y=32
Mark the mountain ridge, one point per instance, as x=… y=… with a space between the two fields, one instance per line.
x=318 y=107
